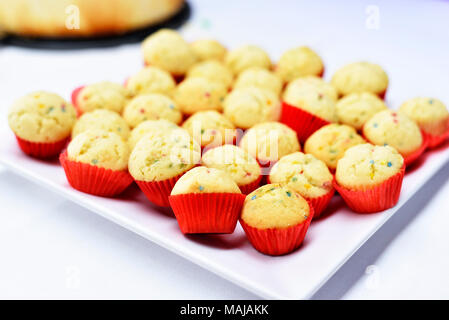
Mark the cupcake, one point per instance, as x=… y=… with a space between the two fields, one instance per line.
x=101 y=119
x=260 y=78
x=299 y=62
x=396 y=130
x=166 y=49
x=151 y=106
x=206 y=200
x=431 y=116
x=269 y=141
x=212 y=70
x=207 y=49
x=246 y=107
x=330 y=142
x=239 y=164
x=160 y=126
x=369 y=178
x=102 y=95
x=308 y=104
x=361 y=77
x=245 y=57
x=210 y=129
x=307 y=176
x=96 y=162
x=42 y=122
x=275 y=219
x=356 y=108
x=199 y=94
x=151 y=80
x=158 y=161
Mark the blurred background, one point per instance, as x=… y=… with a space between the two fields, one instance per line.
x=408 y=38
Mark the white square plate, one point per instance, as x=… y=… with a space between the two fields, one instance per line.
x=328 y=244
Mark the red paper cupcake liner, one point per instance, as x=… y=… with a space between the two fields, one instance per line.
x=412 y=157
x=375 y=199
x=435 y=141
x=158 y=191
x=207 y=212
x=250 y=187
x=94 y=180
x=75 y=94
x=382 y=94
x=303 y=122
x=276 y=241
x=41 y=150
x=320 y=204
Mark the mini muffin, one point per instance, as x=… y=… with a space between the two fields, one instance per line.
x=160 y=126
x=397 y=130
x=308 y=104
x=246 y=107
x=356 y=108
x=102 y=95
x=239 y=164
x=275 y=219
x=299 y=62
x=307 y=176
x=260 y=78
x=157 y=162
x=245 y=57
x=101 y=119
x=330 y=142
x=269 y=141
x=199 y=94
x=42 y=122
x=167 y=50
x=212 y=70
x=210 y=128
x=431 y=116
x=152 y=106
x=369 y=178
x=361 y=77
x=207 y=49
x=151 y=80
x=96 y=162
x=206 y=200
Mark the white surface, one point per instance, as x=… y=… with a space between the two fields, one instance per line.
x=328 y=244
x=45 y=236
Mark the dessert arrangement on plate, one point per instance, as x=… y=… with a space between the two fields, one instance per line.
x=227 y=136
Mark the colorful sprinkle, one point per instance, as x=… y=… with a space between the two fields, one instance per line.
x=50 y=109
x=202 y=131
x=289 y=194
x=142 y=110
x=294 y=179
x=371 y=161
x=431 y=101
x=63 y=108
x=253 y=197
x=201 y=188
x=171 y=106
x=375 y=125
x=207 y=94
x=389 y=164
x=94 y=161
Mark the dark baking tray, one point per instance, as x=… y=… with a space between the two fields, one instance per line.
x=174 y=22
